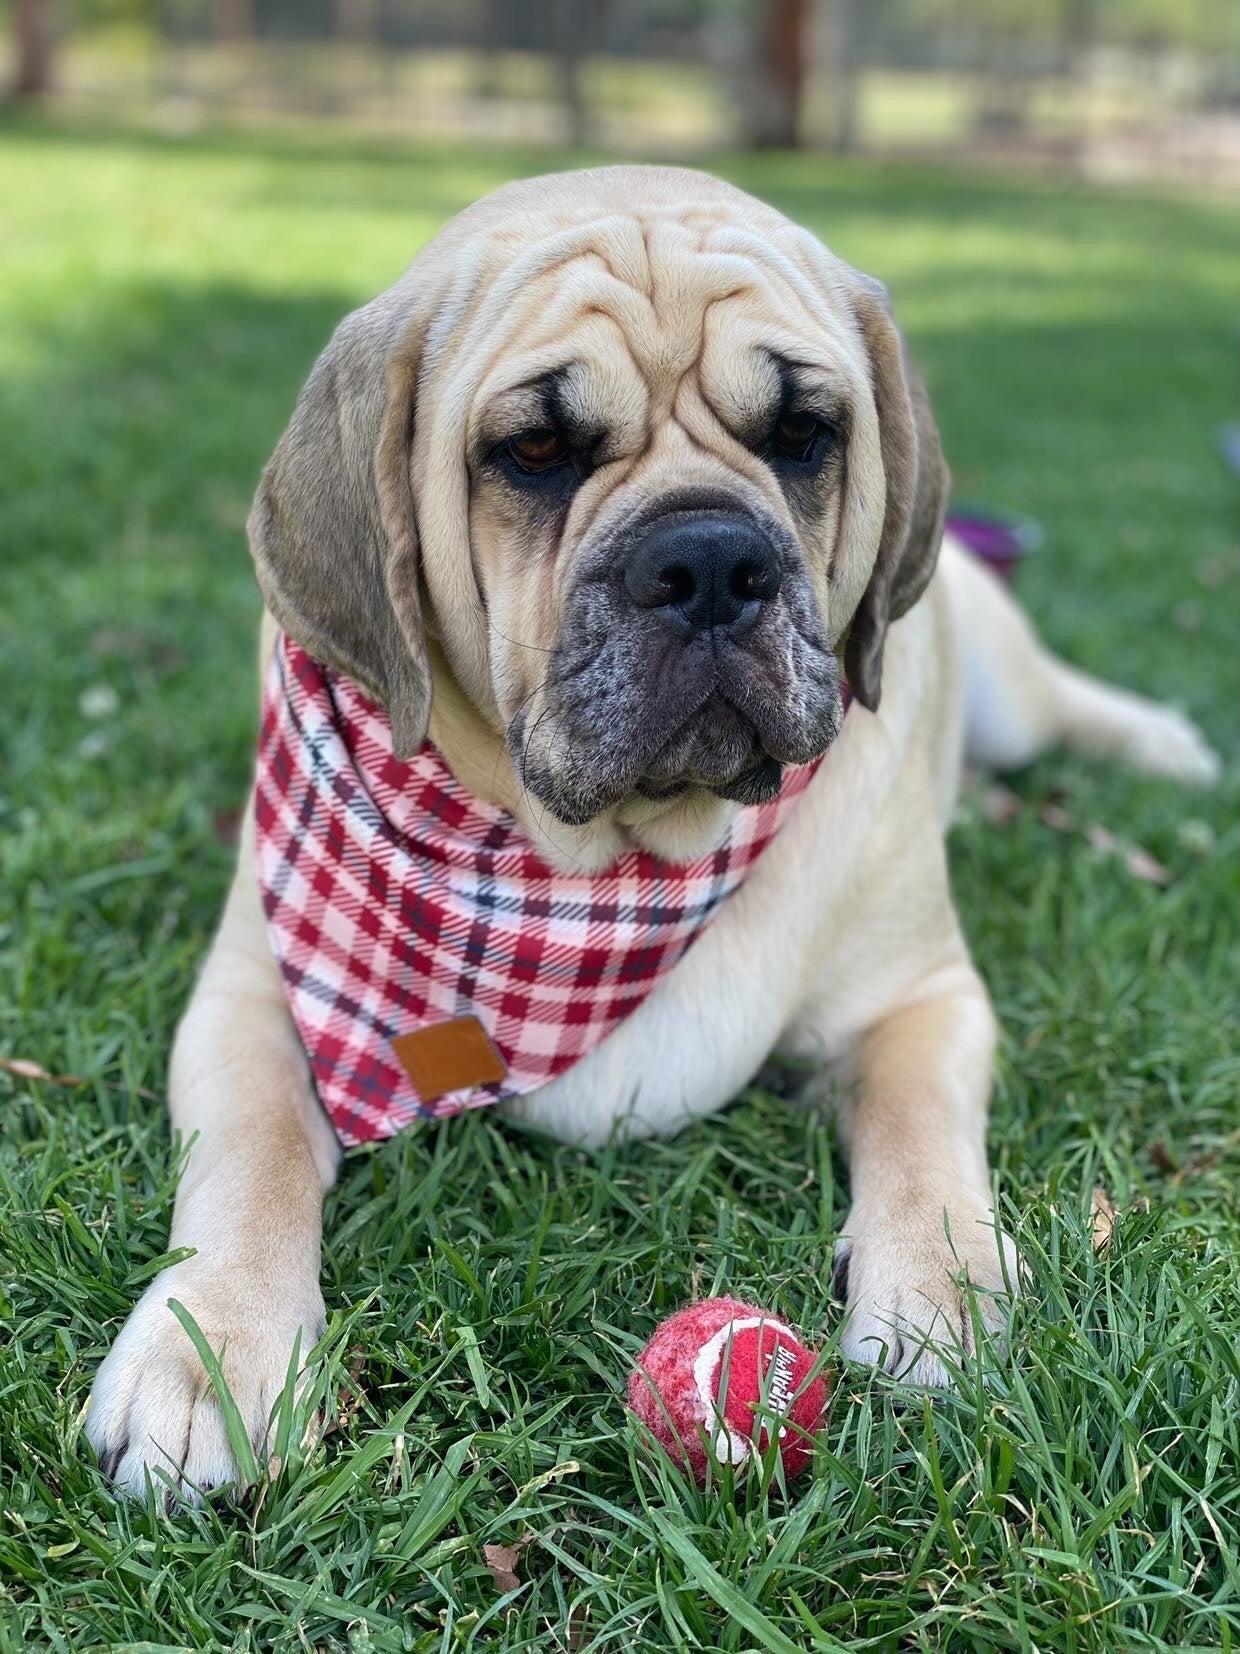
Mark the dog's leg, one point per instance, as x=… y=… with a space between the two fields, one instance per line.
x=249 y=1203
x=1020 y=700
x=921 y=1201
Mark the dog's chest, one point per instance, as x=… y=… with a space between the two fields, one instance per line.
x=704 y=1031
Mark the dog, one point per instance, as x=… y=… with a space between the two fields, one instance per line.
x=618 y=492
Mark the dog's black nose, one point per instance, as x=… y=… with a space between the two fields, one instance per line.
x=704 y=570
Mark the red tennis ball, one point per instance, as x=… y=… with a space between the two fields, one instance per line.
x=712 y=1371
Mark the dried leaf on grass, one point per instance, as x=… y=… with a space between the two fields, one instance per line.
x=1162 y=1156
x=226 y=825
x=1001 y=806
x=1057 y=818
x=1143 y=866
x=1139 y=862
x=502 y=1561
x=25 y=1069
x=1197 y=1165
x=350 y=1396
x=1103 y=1218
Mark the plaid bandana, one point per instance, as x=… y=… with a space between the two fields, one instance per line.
x=396 y=900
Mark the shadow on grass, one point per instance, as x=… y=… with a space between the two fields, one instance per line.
x=150 y=417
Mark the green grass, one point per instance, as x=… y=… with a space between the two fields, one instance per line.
x=487 y=1291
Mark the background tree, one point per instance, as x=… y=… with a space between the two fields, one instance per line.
x=843 y=31
x=779 y=68
x=32 y=26
x=232 y=20
x=574 y=29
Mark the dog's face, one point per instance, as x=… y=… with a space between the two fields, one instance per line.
x=656 y=473
x=650 y=451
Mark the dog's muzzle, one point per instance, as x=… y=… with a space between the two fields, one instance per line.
x=692 y=655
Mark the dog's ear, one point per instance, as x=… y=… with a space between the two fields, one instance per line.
x=332 y=529
x=917 y=484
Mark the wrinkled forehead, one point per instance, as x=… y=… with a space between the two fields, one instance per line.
x=623 y=313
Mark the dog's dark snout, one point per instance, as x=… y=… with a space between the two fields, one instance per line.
x=707 y=570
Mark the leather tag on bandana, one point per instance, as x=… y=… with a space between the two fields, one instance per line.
x=449 y=1056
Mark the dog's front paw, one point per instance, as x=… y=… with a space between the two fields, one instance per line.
x=902 y=1275
x=152 y=1407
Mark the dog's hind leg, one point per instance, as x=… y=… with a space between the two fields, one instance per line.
x=1020 y=700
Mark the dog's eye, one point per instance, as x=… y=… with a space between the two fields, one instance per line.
x=796 y=436
x=540 y=450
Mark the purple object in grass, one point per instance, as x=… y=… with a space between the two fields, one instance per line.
x=999 y=538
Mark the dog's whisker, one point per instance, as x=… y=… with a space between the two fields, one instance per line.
x=517 y=711
x=535 y=648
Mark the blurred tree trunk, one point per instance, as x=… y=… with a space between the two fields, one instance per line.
x=1079 y=39
x=355 y=74
x=575 y=27
x=1079 y=30
x=488 y=80
x=1005 y=88
x=355 y=21
x=232 y=19
x=568 y=18
x=779 y=80
x=844 y=94
x=32 y=23
x=229 y=76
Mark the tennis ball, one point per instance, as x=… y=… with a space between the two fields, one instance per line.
x=716 y=1370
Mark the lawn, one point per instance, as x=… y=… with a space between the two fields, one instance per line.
x=162 y=301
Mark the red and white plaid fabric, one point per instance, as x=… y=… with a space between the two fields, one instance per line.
x=396 y=899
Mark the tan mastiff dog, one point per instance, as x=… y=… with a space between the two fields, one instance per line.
x=609 y=492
